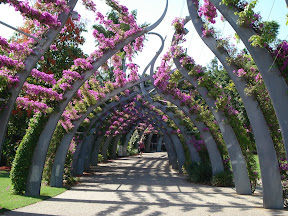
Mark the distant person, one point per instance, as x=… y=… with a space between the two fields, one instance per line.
x=141 y=148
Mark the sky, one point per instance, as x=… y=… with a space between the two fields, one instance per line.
x=149 y=11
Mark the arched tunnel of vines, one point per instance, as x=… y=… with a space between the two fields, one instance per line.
x=93 y=92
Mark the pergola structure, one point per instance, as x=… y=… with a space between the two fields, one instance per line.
x=138 y=104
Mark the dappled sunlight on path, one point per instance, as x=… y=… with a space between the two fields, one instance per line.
x=145 y=186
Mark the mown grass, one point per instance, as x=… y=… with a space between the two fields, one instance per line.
x=10 y=201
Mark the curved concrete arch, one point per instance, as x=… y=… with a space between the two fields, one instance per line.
x=30 y=63
x=94 y=154
x=81 y=155
x=170 y=147
x=177 y=143
x=241 y=178
x=125 y=145
x=93 y=122
x=160 y=140
x=34 y=178
x=172 y=156
x=274 y=82
x=242 y=182
x=215 y=157
x=194 y=154
x=172 y=151
x=114 y=146
x=105 y=146
x=177 y=146
x=148 y=142
x=83 y=148
x=81 y=160
x=126 y=142
x=271 y=179
x=60 y=156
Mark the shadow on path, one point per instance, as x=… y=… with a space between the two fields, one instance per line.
x=145 y=186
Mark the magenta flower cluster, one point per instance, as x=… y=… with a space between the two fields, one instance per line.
x=10 y=63
x=27 y=11
x=198 y=144
x=11 y=81
x=208 y=10
x=41 y=92
x=36 y=106
x=44 y=77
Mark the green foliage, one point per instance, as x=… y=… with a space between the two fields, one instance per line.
x=134 y=138
x=54 y=144
x=24 y=154
x=267 y=34
x=68 y=179
x=252 y=170
x=199 y=172
x=68 y=49
x=175 y=77
x=223 y=46
x=246 y=16
x=223 y=179
x=229 y=2
x=257 y=88
x=100 y=158
x=237 y=37
x=185 y=147
x=245 y=139
x=132 y=148
x=132 y=151
x=220 y=76
x=3 y=86
x=16 y=130
x=122 y=139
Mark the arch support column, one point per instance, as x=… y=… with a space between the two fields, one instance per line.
x=95 y=151
x=114 y=146
x=148 y=142
x=105 y=147
x=159 y=144
x=171 y=152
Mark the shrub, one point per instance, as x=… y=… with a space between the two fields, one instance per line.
x=198 y=172
x=223 y=179
x=24 y=153
x=133 y=151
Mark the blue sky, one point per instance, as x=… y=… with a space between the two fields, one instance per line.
x=149 y=11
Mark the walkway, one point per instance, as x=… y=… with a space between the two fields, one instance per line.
x=145 y=186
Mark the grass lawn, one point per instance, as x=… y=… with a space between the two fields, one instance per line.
x=10 y=201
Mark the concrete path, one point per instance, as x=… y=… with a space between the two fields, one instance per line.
x=145 y=186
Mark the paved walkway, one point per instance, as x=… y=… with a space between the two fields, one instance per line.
x=145 y=186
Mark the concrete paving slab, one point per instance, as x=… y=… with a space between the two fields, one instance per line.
x=145 y=185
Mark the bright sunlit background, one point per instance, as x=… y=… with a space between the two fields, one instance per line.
x=149 y=11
